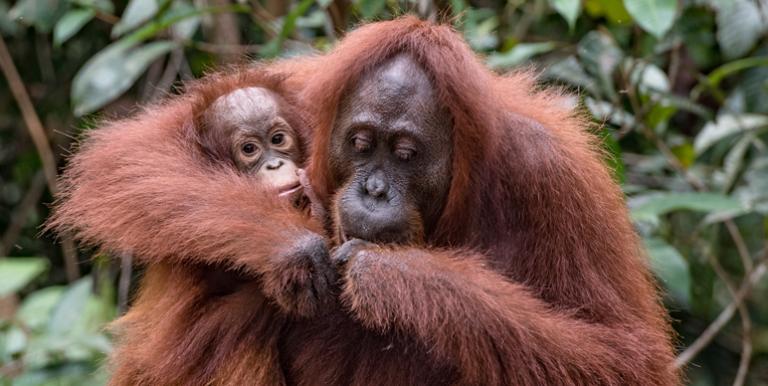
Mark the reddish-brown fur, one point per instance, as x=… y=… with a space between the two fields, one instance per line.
x=146 y=186
x=561 y=294
x=533 y=275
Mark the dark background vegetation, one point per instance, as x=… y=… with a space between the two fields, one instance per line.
x=678 y=90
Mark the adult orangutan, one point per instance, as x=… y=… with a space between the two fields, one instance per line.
x=510 y=258
x=191 y=188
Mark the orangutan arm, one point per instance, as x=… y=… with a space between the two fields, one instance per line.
x=495 y=332
x=141 y=186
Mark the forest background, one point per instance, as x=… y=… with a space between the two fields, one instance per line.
x=678 y=90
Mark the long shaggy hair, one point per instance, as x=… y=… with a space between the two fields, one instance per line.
x=533 y=274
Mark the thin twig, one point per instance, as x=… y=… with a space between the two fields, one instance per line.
x=741 y=245
x=427 y=10
x=21 y=213
x=328 y=26
x=34 y=126
x=674 y=65
x=725 y=316
x=170 y=73
x=746 y=321
x=263 y=18
x=151 y=78
x=37 y=132
x=107 y=18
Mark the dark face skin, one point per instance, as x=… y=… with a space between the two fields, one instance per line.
x=391 y=151
x=249 y=128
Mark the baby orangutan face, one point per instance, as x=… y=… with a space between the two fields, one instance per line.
x=250 y=126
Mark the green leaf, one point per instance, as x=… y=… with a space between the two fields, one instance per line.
x=42 y=14
x=730 y=68
x=739 y=27
x=70 y=24
x=613 y=10
x=7 y=25
x=457 y=9
x=70 y=308
x=15 y=341
x=35 y=310
x=186 y=28
x=659 y=116
x=684 y=153
x=600 y=56
x=570 y=71
x=726 y=125
x=605 y=111
x=173 y=17
x=518 y=54
x=63 y=374
x=104 y=6
x=734 y=160
x=654 y=16
x=649 y=78
x=671 y=269
x=315 y=19
x=273 y=48
x=17 y=272
x=136 y=13
x=480 y=29
x=112 y=71
x=612 y=155
x=569 y=9
x=649 y=207
x=755 y=193
x=371 y=8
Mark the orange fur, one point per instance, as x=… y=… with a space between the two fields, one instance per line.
x=562 y=293
x=145 y=185
x=559 y=295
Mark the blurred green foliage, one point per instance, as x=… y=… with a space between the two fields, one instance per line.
x=678 y=90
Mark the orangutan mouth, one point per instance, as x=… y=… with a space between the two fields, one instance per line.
x=289 y=190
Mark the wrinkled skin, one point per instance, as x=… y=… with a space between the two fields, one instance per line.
x=391 y=151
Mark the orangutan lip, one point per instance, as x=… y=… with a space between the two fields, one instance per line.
x=288 y=190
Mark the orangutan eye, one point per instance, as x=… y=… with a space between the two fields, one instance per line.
x=404 y=149
x=362 y=143
x=249 y=148
x=405 y=154
x=281 y=140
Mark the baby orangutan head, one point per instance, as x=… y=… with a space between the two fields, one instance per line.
x=255 y=130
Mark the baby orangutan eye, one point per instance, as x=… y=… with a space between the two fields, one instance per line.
x=281 y=141
x=249 y=148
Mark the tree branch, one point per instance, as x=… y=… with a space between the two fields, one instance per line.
x=714 y=328
x=37 y=132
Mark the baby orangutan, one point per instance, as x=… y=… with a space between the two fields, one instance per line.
x=252 y=129
x=203 y=190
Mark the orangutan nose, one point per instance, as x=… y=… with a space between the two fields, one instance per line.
x=274 y=164
x=376 y=186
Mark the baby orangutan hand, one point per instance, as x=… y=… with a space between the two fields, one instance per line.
x=301 y=281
